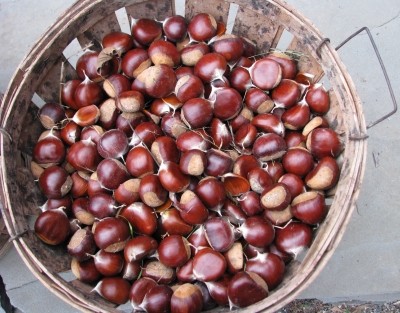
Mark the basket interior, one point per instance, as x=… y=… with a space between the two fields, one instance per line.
x=272 y=24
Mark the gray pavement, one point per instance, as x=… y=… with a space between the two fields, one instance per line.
x=365 y=265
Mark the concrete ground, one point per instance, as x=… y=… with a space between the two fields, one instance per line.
x=365 y=266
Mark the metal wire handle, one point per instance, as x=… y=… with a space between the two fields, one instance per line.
x=318 y=51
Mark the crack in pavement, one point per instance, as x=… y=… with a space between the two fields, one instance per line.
x=15 y=288
x=392 y=19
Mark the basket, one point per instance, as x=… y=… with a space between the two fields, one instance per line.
x=263 y=21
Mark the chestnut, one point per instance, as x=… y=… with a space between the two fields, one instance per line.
x=172 y=223
x=239 y=78
x=250 y=203
x=258 y=231
x=118 y=40
x=55 y=182
x=218 y=163
x=159 y=272
x=227 y=103
x=192 y=210
x=258 y=101
x=245 y=136
x=80 y=210
x=220 y=134
x=219 y=290
x=94 y=132
x=185 y=272
x=175 y=28
x=269 y=267
x=266 y=74
x=173 y=125
x=160 y=80
x=174 y=251
x=145 y=133
x=139 y=248
x=293 y=238
x=208 y=265
x=259 y=179
x=87 y=93
x=68 y=93
x=324 y=176
x=211 y=192
x=139 y=290
x=157 y=299
x=210 y=67
x=134 y=62
x=49 y=151
x=102 y=205
x=298 y=161
x=315 y=122
x=233 y=212
x=275 y=197
x=141 y=217
x=130 y=101
x=116 y=84
x=309 y=207
x=235 y=184
x=87 y=115
x=234 y=258
x=151 y=191
x=297 y=116
x=108 y=263
x=294 y=183
x=219 y=233
x=323 y=142
x=145 y=31
x=193 y=162
x=139 y=162
x=246 y=288
x=269 y=147
x=288 y=65
x=51 y=114
x=269 y=123
x=86 y=66
x=115 y=289
x=318 y=99
x=197 y=112
x=187 y=298
x=194 y=139
x=202 y=27
x=278 y=218
x=112 y=234
x=85 y=271
x=192 y=53
x=172 y=178
x=111 y=173
x=229 y=46
x=164 y=52
x=113 y=144
x=52 y=227
x=71 y=133
x=79 y=184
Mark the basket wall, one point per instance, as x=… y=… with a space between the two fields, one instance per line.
x=262 y=21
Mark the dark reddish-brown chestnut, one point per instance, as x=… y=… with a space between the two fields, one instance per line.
x=309 y=207
x=174 y=251
x=208 y=265
x=52 y=227
x=55 y=182
x=115 y=289
x=112 y=234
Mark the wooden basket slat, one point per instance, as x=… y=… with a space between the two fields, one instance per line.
x=32 y=196
x=335 y=114
x=49 y=88
x=81 y=18
x=218 y=9
x=30 y=130
x=153 y=9
x=256 y=27
x=306 y=63
x=95 y=34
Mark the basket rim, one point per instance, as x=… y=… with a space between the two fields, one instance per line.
x=316 y=259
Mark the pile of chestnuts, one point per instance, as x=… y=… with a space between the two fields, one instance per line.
x=182 y=170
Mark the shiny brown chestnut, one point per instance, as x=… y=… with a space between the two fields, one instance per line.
x=324 y=176
x=266 y=74
x=192 y=53
x=128 y=192
x=134 y=62
x=202 y=27
x=112 y=234
x=211 y=192
x=298 y=161
x=294 y=183
x=108 y=263
x=175 y=28
x=139 y=162
x=145 y=31
x=151 y=191
x=164 y=52
x=309 y=207
x=269 y=147
x=160 y=80
x=55 y=182
x=187 y=298
x=114 y=289
x=246 y=288
x=323 y=142
x=172 y=178
x=288 y=65
x=208 y=265
x=258 y=231
x=111 y=173
x=85 y=271
x=259 y=179
x=197 y=112
x=219 y=233
x=318 y=99
x=174 y=251
x=141 y=217
x=275 y=197
x=139 y=248
x=293 y=238
x=52 y=227
x=193 y=162
x=192 y=210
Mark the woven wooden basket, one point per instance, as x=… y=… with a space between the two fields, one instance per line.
x=89 y=20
